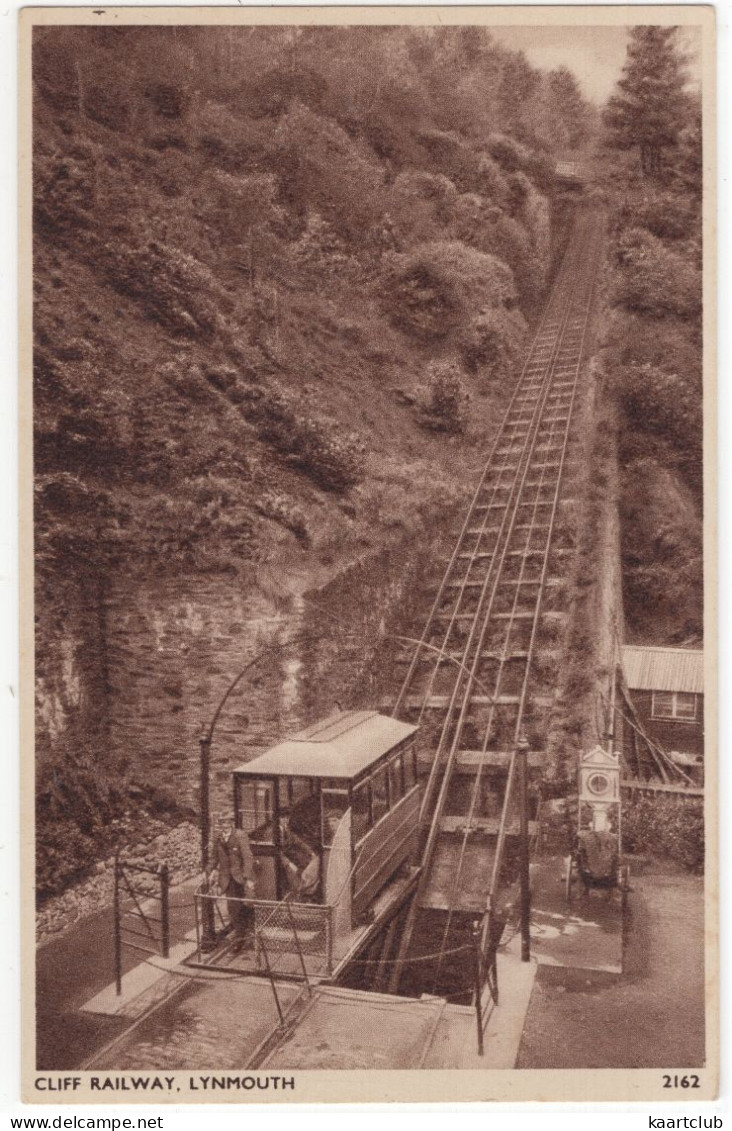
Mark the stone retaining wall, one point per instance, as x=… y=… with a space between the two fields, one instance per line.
x=134 y=668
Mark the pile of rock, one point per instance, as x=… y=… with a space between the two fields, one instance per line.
x=179 y=848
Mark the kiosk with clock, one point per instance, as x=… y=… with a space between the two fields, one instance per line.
x=596 y=855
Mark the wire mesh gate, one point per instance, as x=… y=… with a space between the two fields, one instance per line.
x=294 y=940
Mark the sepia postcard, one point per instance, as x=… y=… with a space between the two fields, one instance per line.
x=369 y=701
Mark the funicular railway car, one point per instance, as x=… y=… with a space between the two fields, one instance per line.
x=331 y=817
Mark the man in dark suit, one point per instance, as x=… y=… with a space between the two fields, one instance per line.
x=235 y=865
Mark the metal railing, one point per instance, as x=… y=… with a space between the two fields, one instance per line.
x=301 y=934
x=150 y=933
x=294 y=941
x=486 y=972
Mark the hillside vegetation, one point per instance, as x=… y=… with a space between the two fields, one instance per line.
x=250 y=245
x=653 y=177
x=283 y=277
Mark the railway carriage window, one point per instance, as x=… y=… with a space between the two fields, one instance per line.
x=305 y=812
x=410 y=768
x=292 y=791
x=361 y=809
x=379 y=793
x=685 y=705
x=255 y=810
x=335 y=803
x=396 y=779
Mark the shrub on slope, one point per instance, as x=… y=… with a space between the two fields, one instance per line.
x=491 y=344
x=320 y=167
x=435 y=290
x=653 y=280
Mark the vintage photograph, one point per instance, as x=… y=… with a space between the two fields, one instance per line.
x=371 y=728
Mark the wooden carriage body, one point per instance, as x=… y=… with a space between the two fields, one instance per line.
x=345 y=790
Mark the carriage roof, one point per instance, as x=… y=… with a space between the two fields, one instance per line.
x=341 y=746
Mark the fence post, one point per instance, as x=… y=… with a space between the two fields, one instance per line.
x=117 y=929
x=493 y=974
x=523 y=753
x=196 y=909
x=208 y=928
x=478 y=969
x=270 y=975
x=165 y=909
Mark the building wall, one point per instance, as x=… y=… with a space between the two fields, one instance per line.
x=670 y=734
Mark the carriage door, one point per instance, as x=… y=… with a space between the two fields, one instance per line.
x=298 y=836
x=255 y=811
x=334 y=796
x=337 y=858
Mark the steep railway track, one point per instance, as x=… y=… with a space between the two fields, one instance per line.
x=469 y=679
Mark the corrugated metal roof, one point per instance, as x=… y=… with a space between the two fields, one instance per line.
x=340 y=746
x=664 y=669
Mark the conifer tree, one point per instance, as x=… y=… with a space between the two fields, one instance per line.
x=648 y=112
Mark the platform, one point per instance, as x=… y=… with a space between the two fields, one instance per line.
x=586 y=934
x=143 y=985
x=472 y=862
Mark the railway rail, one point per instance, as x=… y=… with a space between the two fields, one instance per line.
x=468 y=681
x=471 y=682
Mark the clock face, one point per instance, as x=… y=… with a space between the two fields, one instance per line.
x=598 y=783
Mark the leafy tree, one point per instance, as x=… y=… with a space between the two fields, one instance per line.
x=567 y=106
x=650 y=109
x=518 y=89
x=654 y=280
